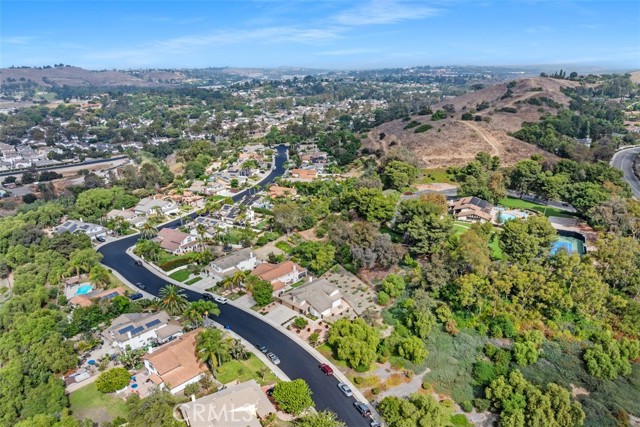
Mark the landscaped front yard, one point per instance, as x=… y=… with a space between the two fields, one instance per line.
x=245 y=370
x=88 y=402
x=180 y=275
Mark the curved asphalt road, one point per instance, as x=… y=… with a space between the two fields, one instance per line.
x=296 y=362
x=623 y=160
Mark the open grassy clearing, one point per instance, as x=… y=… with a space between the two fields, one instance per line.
x=451 y=361
x=244 y=370
x=88 y=402
x=439 y=175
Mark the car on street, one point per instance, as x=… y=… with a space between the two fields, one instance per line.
x=135 y=296
x=375 y=424
x=262 y=348
x=141 y=286
x=345 y=389
x=101 y=239
x=362 y=408
x=273 y=358
x=138 y=263
x=326 y=369
x=221 y=300
x=207 y=296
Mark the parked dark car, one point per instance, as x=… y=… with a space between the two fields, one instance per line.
x=262 y=348
x=138 y=263
x=270 y=391
x=207 y=296
x=362 y=408
x=101 y=239
x=135 y=296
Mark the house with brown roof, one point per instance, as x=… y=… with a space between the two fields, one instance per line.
x=175 y=241
x=280 y=275
x=240 y=405
x=277 y=191
x=87 y=300
x=471 y=209
x=175 y=365
x=319 y=298
x=304 y=174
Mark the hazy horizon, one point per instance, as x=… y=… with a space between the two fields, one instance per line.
x=368 y=34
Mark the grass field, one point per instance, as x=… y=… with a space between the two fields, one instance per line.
x=244 y=370
x=180 y=275
x=88 y=402
x=460 y=227
x=515 y=203
x=438 y=175
x=451 y=361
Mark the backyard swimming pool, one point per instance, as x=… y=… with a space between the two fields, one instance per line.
x=84 y=289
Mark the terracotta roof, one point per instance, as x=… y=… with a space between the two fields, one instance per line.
x=277 y=191
x=177 y=362
x=171 y=239
x=304 y=173
x=272 y=272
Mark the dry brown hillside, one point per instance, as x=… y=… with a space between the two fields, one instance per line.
x=75 y=76
x=453 y=141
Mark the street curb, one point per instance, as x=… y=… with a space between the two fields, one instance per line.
x=309 y=349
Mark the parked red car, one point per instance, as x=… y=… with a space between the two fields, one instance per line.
x=326 y=369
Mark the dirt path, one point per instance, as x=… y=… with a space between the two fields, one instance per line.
x=487 y=138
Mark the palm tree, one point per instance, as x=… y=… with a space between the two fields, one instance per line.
x=237 y=350
x=148 y=231
x=211 y=345
x=198 y=310
x=172 y=300
x=238 y=279
x=99 y=276
x=201 y=230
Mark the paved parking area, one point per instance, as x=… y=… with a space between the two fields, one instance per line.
x=281 y=314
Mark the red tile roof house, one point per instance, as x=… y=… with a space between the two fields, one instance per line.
x=280 y=275
x=175 y=365
x=175 y=241
x=304 y=174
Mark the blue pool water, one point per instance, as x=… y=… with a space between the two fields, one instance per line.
x=569 y=244
x=504 y=217
x=84 y=289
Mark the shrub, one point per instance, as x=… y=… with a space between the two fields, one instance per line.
x=175 y=263
x=481 y=405
x=466 y=406
x=484 y=372
x=293 y=397
x=467 y=116
x=383 y=298
x=300 y=322
x=411 y=124
x=112 y=380
x=508 y=110
x=423 y=128
x=439 y=115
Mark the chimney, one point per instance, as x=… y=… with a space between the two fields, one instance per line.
x=129 y=334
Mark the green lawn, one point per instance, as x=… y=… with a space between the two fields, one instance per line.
x=460 y=227
x=515 y=203
x=439 y=175
x=192 y=281
x=88 y=402
x=244 y=370
x=180 y=275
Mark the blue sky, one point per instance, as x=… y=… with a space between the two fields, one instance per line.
x=320 y=34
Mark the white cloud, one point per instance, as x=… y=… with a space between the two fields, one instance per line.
x=384 y=12
x=19 y=40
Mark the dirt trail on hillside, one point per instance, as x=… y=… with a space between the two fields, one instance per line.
x=487 y=138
